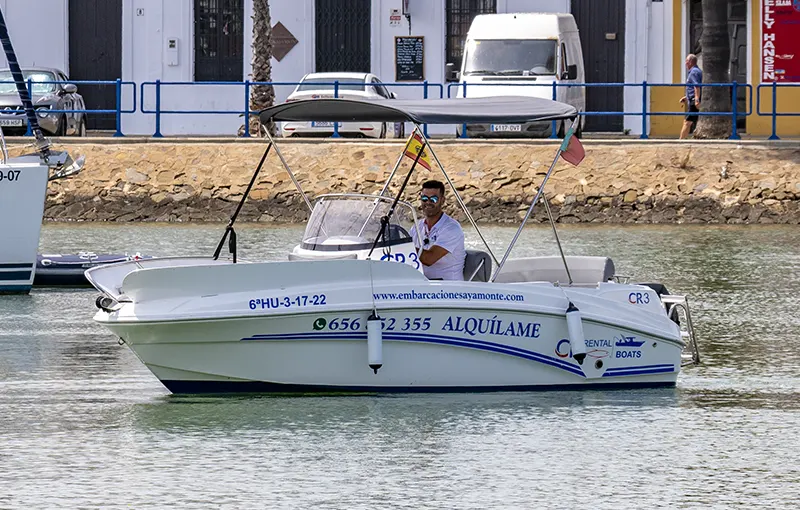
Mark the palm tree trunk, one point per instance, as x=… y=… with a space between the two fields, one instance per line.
x=261 y=96
x=716 y=55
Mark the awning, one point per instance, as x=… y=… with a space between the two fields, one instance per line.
x=483 y=110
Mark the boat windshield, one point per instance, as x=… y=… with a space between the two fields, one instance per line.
x=352 y=222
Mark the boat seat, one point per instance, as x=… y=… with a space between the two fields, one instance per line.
x=584 y=270
x=323 y=256
x=480 y=261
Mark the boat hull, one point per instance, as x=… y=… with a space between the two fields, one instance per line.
x=424 y=350
x=22 y=193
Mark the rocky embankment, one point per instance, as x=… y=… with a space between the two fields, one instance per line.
x=618 y=182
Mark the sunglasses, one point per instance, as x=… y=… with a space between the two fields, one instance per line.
x=425 y=199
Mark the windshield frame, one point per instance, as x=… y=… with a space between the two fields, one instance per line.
x=317 y=228
x=470 y=67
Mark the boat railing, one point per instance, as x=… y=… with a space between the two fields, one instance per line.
x=677 y=308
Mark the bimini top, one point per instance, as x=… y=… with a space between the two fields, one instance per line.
x=508 y=109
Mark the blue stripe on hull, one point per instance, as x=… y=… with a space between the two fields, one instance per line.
x=15 y=289
x=227 y=387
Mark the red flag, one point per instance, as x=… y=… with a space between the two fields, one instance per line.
x=572 y=149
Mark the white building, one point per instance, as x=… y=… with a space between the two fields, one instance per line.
x=195 y=41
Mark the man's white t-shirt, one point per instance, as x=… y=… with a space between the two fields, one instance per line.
x=446 y=233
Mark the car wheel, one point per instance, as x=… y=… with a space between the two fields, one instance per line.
x=81 y=128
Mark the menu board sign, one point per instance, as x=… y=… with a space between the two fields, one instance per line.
x=409 y=57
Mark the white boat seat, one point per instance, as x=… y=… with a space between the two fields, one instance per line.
x=584 y=270
x=323 y=256
x=479 y=261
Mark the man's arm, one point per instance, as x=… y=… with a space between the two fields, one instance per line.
x=430 y=256
x=696 y=94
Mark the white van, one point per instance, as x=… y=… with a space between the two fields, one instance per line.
x=522 y=54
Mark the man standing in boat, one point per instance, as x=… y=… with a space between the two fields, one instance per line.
x=440 y=237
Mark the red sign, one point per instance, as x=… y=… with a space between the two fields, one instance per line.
x=780 y=45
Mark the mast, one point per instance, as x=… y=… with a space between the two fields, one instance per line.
x=42 y=145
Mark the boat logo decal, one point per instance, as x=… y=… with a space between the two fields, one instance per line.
x=639 y=298
x=627 y=341
x=320 y=324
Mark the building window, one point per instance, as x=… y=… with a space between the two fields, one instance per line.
x=218 y=41
x=460 y=14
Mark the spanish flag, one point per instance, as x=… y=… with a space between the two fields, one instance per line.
x=413 y=146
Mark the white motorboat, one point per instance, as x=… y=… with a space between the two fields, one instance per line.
x=350 y=309
x=23 y=186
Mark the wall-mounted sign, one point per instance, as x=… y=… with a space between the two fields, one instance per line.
x=282 y=41
x=394 y=17
x=780 y=45
x=409 y=58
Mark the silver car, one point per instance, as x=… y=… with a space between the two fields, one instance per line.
x=47 y=99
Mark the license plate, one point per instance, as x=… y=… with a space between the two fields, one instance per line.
x=506 y=127
x=321 y=124
x=11 y=122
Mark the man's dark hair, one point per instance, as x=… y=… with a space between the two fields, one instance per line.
x=434 y=185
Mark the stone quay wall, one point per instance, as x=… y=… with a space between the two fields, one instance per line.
x=620 y=181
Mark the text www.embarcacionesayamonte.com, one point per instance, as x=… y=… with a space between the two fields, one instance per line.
x=441 y=294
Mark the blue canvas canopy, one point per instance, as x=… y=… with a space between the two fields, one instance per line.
x=507 y=109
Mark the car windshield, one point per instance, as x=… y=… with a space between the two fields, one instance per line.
x=327 y=84
x=351 y=222
x=510 y=57
x=7 y=85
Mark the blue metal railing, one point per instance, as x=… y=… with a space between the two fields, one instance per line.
x=118 y=88
x=246 y=112
x=645 y=113
x=774 y=112
x=645 y=86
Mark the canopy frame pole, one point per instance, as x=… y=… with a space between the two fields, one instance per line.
x=555 y=233
x=388 y=182
x=458 y=197
x=539 y=194
x=289 y=171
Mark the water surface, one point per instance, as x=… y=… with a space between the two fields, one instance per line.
x=85 y=425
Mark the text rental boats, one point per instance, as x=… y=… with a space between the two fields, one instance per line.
x=351 y=310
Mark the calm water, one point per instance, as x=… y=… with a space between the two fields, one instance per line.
x=84 y=425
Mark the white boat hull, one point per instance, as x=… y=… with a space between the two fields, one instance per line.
x=23 y=187
x=247 y=335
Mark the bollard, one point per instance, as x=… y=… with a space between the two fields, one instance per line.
x=335 y=94
x=464 y=126
x=553 y=123
x=425 y=96
x=119 y=107
x=158 y=134
x=247 y=110
x=734 y=113
x=774 y=112
x=644 y=136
